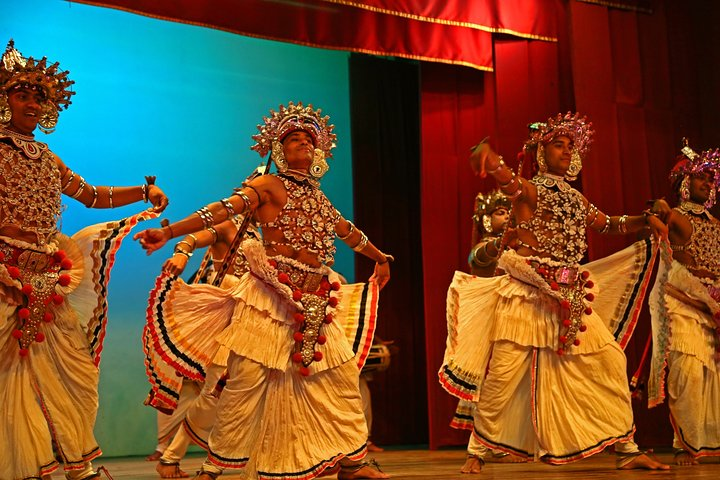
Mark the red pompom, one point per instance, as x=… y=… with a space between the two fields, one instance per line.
x=560 y=351
x=333 y=301
x=566 y=322
x=57 y=299
x=588 y=310
x=325 y=285
x=66 y=264
x=27 y=289
x=563 y=339
x=48 y=317
x=297 y=295
x=317 y=356
x=2 y=256
x=273 y=263
x=24 y=313
x=64 y=280
x=589 y=296
x=565 y=304
x=582 y=328
x=304 y=371
x=554 y=286
x=23 y=352
x=298 y=336
x=17 y=334
x=299 y=317
x=283 y=278
x=59 y=256
x=585 y=274
x=321 y=339
x=576 y=342
x=297 y=357
x=39 y=337
x=589 y=284
x=336 y=286
x=13 y=271
x=328 y=318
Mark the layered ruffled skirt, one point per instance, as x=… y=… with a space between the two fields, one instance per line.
x=501 y=354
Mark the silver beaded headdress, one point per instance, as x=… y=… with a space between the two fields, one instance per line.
x=17 y=71
x=573 y=126
x=486 y=204
x=690 y=163
x=291 y=119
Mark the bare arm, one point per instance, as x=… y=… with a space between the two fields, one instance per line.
x=75 y=186
x=358 y=241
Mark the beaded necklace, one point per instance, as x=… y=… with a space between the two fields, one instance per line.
x=30 y=190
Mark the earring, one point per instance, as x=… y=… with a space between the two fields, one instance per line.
x=711 y=199
x=319 y=166
x=48 y=118
x=685 y=189
x=278 y=156
x=487 y=223
x=542 y=166
x=5 y=112
x=575 y=166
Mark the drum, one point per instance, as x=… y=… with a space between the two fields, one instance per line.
x=378 y=360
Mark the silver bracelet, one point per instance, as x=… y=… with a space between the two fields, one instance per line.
x=606 y=228
x=362 y=243
x=110 y=197
x=352 y=229
x=95 y=195
x=622 y=225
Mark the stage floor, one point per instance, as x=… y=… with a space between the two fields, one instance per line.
x=445 y=465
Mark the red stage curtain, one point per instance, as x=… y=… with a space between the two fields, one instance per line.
x=455 y=32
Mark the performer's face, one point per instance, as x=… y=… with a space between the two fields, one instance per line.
x=25 y=105
x=298 y=148
x=700 y=186
x=498 y=219
x=557 y=155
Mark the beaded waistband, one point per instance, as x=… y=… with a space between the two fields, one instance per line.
x=38 y=274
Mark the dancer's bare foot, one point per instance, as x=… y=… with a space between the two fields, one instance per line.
x=505 y=458
x=473 y=464
x=643 y=462
x=684 y=458
x=363 y=470
x=170 y=470
x=154 y=457
x=371 y=447
x=205 y=476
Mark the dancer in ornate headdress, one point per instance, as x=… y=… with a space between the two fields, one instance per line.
x=492 y=211
x=685 y=308
x=53 y=289
x=536 y=351
x=291 y=406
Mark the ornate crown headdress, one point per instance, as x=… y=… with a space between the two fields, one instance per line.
x=690 y=163
x=486 y=204
x=573 y=126
x=290 y=119
x=17 y=71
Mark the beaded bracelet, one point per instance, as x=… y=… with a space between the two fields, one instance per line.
x=497 y=169
x=206 y=216
x=606 y=228
x=622 y=225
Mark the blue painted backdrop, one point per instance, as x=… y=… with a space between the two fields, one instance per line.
x=179 y=102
